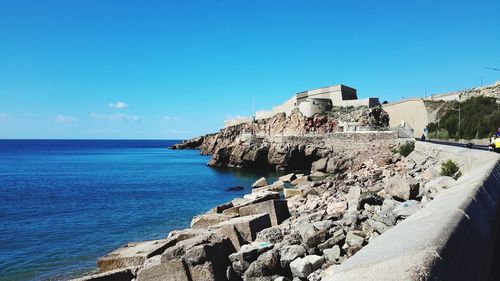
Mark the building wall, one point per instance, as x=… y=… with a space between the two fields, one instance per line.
x=312 y=106
x=412 y=111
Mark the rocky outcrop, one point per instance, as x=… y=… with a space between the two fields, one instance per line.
x=280 y=142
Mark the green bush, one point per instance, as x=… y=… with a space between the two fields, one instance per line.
x=450 y=169
x=440 y=134
x=479 y=118
x=407 y=148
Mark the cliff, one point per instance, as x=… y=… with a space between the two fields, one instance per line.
x=281 y=142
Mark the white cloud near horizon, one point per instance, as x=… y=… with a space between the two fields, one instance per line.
x=120 y=117
x=171 y=118
x=119 y=105
x=66 y=119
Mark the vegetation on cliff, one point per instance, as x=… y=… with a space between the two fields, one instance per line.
x=479 y=118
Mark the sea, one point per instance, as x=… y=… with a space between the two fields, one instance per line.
x=65 y=203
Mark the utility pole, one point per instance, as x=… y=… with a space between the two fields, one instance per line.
x=458 y=115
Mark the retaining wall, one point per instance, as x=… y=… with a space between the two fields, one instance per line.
x=452 y=238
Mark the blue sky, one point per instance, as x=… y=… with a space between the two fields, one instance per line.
x=176 y=69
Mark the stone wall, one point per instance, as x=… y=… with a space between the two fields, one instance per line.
x=452 y=238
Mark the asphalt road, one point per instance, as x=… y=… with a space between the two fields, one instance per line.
x=475 y=146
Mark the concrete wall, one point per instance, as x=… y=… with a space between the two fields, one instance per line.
x=312 y=106
x=452 y=238
x=412 y=111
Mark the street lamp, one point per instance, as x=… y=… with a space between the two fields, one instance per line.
x=458 y=109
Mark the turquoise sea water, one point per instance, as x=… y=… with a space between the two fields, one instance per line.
x=65 y=203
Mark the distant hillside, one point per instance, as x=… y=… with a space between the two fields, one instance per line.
x=479 y=116
x=492 y=91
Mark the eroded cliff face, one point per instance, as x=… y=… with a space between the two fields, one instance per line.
x=280 y=142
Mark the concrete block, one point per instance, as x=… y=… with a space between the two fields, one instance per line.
x=133 y=254
x=277 y=210
x=172 y=270
x=291 y=192
x=288 y=178
x=123 y=274
x=243 y=230
x=260 y=183
x=206 y=220
x=251 y=199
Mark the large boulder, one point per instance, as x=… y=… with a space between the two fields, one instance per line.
x=407 y=208
x=402 y=188
x=319 y=165
x=290 y=253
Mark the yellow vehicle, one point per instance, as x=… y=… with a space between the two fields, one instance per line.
x=494 y=144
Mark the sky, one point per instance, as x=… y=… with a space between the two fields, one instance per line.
x=130 y=69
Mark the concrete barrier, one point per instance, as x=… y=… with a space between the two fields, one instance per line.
x=453 y=238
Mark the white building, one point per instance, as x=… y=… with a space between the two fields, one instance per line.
x=314 y=101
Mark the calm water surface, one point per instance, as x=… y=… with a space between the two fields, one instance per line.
x=65 y=203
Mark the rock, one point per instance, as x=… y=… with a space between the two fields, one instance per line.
x=291 y=192
x=277 y=210
x=377 y=226
x=281 y=278
x=354 y=240
x=271 y=235
x=353 y=197
x=320 y=165
x=333 y=254
x=316 y=239
x=315 y=261
x=266 y=265
x=172 y=270
x=250 y=252
x=300 y=268
x=240 y=266
x=235 y=188
x=124 y=274
x=336 y=207
x=250 y=199
x=133 y=254
x=288 y=178
x=418 y=157
x=206 y=220
x=300 y=180
x=290 y=253
x=438 y=184
x=429 y=173
x=244 y=229
x=260 y=183
x=389 y=205
x=337 y=238
x=407 y=209
x=386 y=217
x=401 y=188
x=370 y=198
x=318 y=174
x=337 y=165
x=220 y=208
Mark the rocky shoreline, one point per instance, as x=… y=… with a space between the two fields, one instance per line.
x=297 y=228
